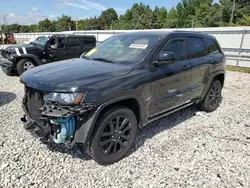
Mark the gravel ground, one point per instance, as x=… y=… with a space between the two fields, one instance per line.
x=186 y=149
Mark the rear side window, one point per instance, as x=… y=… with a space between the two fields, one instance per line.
x=74 y=43
x=177 y=46
x=196 y=47
x=89 y=41
x=211 y=46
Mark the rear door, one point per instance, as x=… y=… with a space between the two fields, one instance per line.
x=171 y=82
x=200 y=63
x=74 y=49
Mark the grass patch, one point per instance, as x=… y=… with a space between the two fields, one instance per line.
x=238 y=69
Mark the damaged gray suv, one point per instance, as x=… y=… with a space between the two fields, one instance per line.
x=100 y=100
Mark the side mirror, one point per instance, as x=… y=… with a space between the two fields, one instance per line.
x=164 y=58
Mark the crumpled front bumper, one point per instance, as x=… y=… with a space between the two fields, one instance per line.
x=38 y=116
x=5 y=62
x=37 y=130
x=6 y=65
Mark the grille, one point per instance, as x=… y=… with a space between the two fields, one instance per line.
x=34 y=101
x=4 y=53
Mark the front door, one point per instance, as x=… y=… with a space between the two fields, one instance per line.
x=57 y=49
x=171 y=81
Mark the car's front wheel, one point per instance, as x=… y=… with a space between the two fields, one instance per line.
x=114 y=136
x=24 y=65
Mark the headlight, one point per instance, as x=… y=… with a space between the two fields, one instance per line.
x=64 y=98
x=10 y=57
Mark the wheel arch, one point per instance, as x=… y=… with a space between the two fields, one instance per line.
x=28 y=56
x=124 y=101
x=220 y=75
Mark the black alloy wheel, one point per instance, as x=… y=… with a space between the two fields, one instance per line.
x=213 y=98
x=215 y=94
x=114 y=135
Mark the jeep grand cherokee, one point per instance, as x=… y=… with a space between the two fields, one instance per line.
x=102 y=98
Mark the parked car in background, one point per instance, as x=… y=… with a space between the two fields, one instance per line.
x=100 y=100
x=7 y=38
x=44 y=50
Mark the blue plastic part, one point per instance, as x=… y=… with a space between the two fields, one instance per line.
x=65 y=130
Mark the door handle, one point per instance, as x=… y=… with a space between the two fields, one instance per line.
x=184 y=67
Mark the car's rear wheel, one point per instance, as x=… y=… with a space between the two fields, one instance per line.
x=114 y=136
x=213 y=98
x=24 y=65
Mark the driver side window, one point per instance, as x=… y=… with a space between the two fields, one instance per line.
x=57 y=43
x=176 y=46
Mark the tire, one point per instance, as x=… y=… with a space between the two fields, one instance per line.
x=213 y=98
x=109 y=143
x=24 y=65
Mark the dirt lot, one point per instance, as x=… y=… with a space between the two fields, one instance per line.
x=186 y=149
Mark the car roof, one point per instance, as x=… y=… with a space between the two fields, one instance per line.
x=167 y=33
x=75 y=36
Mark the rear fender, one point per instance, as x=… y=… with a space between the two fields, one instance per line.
x=210 y=82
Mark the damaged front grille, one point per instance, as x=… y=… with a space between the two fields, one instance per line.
x=33 y=100
x=4 y=53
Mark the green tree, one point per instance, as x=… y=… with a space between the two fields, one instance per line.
x=15 y=28
x=202 y=13
x=245 y=20
x=108 y=17
x=44 y=25
x=93 y=24
x=24 y=29
x=160 y=16
x=34 y=28
x=171 y=20
x=64 y=23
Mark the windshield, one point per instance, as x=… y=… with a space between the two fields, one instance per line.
x=41 y=40
x=125 y=49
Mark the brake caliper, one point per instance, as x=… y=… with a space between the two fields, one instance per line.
x=64 y=129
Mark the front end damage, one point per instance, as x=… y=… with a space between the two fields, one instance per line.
x=50 y=121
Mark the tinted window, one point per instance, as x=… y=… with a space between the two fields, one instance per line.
x=211 y=45
x=89 y=41
x=74 y=42
x=124 y=49
x=176 y=46
x=196 y=47
x=56 y=43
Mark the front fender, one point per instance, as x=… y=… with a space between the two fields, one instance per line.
x=29 y=56
x=83 y=134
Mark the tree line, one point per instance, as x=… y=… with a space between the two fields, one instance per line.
x=187 y=13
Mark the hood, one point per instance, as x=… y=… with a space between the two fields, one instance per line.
x=22 y=49
x=69 y=75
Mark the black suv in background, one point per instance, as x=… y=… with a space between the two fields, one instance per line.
x=44 y=50
x=102 y=98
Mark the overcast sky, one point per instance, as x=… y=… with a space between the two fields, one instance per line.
x=32 y=11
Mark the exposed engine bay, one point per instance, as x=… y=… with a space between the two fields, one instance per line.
x=51 y=121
